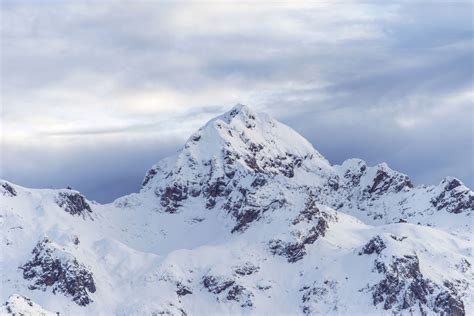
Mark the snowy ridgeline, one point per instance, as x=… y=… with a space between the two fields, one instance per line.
x=248 y=218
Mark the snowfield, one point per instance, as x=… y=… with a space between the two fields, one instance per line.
x=247 y=219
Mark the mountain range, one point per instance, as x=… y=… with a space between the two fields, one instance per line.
x=247 y=218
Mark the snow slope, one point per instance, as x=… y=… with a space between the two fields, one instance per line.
x=248 y=218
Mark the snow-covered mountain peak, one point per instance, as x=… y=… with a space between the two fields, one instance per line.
x=248 y=218
x=242 y=130
x=239 y=111
x=235 y=148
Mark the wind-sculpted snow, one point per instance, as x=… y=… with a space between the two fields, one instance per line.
x=248 y=218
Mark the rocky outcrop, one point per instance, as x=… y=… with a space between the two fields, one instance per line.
x=404 y=289
x=172 y=197
x=454 y=197
x=307 y=227
x=319 y=295
x=295 y=251
x=227 y=290
x=182 y=289
x=7 y=189
x=247 y=269
x=448 y=301
x=353 y=173
x=403 y=285
x=386 y=180
x=216 y=285
x=245 y=214
x=54 y=268
x=149 y=175
x=375 y=245
x=73 y=202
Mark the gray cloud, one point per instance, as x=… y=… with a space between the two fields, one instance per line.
x=84 y=83
x=102 y=171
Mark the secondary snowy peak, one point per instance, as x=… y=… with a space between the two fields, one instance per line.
x=377 y=180
x=453 y=196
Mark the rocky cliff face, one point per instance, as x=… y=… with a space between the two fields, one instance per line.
x=248 y=218
x=404 y=288
x=55 y=268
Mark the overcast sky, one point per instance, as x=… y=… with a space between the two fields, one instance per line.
x=94 y=93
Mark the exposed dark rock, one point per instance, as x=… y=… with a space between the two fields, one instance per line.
x=73 y=202
x=8 y=190
x=312 y=295
x=195 y=138
x=295 y=251
x=454 y=197
x=55 y=268
x=252 y=164
x=216 y=285
x=149 y=175
x=309 y=213
x=229 y=159
x=452 y=184
x=284 y=165
x=380 y=267
x=234 y=205
x=240 y=294
x=246 y=216
x=447 y=303
x=404 y=288
x=264 y=287
x=172 y=197
x=211 y=203
x=375 y=245
x=258 y=182
x=247 y=269
x=398 y=238
x=255 y=148
x=215 y=189
x=75 y=240
x=333 y=183
x=235 y=292
x=353 y=176
x=234 y=112
x=182 y=289
x=383 y=182
x=463 y=266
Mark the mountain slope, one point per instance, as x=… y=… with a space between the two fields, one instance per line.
x=248 y=218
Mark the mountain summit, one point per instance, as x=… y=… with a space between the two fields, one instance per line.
x=248 y=218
